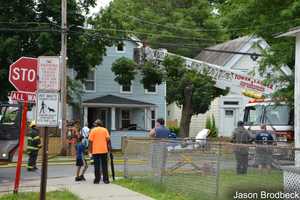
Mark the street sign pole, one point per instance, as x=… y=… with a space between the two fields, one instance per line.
x=43 y=186
x=21 y=146
x=47 y=107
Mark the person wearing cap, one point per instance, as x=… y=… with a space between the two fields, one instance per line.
x=33 y=146
x=98 y=147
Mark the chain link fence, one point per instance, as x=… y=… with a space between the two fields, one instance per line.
x=206 y=169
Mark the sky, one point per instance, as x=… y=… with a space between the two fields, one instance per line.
x=100 y=4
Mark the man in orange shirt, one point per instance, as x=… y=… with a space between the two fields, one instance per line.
x=98 y=146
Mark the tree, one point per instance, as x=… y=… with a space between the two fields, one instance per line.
x=32 y=28
x=179 y=26
x=187 y=88
x=176 y=25
x=266 y=18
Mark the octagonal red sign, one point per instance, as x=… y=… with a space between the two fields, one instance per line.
x=23 y=74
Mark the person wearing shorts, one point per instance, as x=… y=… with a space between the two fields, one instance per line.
x=80 y=160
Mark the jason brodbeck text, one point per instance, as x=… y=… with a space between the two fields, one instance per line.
x=266 y=195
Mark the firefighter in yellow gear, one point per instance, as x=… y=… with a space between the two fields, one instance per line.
x=33 y=146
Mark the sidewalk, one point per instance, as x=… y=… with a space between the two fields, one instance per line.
x=85 y=190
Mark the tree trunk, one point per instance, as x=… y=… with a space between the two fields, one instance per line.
x=186 y=113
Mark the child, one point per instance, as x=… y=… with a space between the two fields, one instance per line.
x=80 y=161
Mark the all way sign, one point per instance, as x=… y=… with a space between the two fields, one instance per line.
x=47 y=109
x=22 y=96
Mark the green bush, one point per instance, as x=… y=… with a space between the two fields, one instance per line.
x=211 y=125
x=174 y=129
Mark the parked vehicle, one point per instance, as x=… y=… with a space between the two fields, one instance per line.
x=10 y=123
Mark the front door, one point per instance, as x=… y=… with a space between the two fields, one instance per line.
x=229 y=121
x=97 y=113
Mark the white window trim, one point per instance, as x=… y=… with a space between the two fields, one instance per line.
x=156 y=89
x=126 y=92
x=91 y=91
x=124 y=48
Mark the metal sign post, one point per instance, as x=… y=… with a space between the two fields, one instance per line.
x=21 y=146
x=47 y=108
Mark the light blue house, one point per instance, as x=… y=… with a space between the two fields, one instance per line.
x=126 y=110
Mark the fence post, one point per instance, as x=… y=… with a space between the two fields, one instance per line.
x=218 y=169
x=125 y=145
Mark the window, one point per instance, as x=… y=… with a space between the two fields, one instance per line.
x=253 y=115
x=125 y=118
x=89 y=82
x=153 y=117
x=231 y=103
x=277 y=115
x=120 y=47
x=126 y=88
x=228 y=113
x=8 y=115
x=151 y=89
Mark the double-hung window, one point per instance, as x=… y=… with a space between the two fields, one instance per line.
x=90 y=82
x=153 y=118
x=151 y=90
x=125 y=118
x=126 y=88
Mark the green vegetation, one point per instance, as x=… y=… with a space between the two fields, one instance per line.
x=56 y=195
x=154 y=190
x=174 y=129
x=266 y=19
x=191 y=186
x=211 y=125
x=32 y=29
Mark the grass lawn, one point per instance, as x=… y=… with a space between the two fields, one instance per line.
x=56 y=195
x=150 y=189
x=196 y=187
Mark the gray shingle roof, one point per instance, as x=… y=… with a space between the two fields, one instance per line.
x=221 y=59
x=112 y=99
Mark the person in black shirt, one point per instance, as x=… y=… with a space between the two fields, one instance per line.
x=264 y=138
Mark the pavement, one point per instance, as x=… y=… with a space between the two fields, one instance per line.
x=86 y=190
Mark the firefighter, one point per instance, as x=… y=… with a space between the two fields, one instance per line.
x=33 y=146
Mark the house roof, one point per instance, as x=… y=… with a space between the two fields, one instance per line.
x=221 y=59
x=109 y=100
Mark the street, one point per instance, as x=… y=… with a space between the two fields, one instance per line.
x=7 y=175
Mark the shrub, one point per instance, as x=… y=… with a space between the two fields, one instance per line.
x=211 y=125
x=174 y=129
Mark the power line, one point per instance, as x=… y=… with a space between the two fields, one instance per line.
x=205 y=30
x=254 y=56
x=154 y=34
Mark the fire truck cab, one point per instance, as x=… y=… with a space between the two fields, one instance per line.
x=279 y=118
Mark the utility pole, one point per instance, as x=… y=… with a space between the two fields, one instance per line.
x=63 y=72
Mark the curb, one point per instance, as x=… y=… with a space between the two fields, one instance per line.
x=71 y=162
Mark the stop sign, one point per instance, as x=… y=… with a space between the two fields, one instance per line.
x=23 y=74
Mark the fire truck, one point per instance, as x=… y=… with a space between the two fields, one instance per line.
x=277 y=116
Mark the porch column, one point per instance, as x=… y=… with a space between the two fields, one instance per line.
x=85 y=115
x=113 y=118
x=146 y=119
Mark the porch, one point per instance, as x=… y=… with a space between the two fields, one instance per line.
x=121 y=116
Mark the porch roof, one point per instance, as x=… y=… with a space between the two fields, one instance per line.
x=115 y=101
